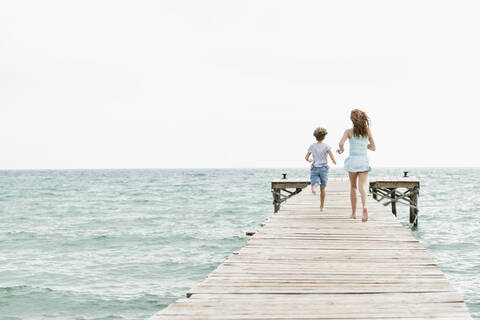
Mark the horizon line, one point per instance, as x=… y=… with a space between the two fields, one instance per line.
x=230 y=168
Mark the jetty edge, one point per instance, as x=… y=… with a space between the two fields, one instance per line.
x=307 y=264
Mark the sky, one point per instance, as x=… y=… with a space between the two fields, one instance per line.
x=226 y=84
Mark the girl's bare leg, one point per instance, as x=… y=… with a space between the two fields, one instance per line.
x=362 y=182
x=322 y=198
x=353 y=192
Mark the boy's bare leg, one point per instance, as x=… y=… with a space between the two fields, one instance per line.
x=322 y=198
x=362 y=185
x=353 y=193
x=314 y=188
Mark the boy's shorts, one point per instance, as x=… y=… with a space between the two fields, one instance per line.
x=319 y=175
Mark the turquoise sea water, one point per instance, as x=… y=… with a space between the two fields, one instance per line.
x=123 y=244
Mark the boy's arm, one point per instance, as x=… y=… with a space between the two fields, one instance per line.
x=342 y=142
x=371 y=145
x=307 y=157
x=330 y=153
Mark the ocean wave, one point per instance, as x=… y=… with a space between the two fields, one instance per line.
x=458 y=246
x=45 y=302
x=20 y=235
x=22 y=289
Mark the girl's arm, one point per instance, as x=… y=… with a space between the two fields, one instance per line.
x=307 y=157
x=371 y=145
x=330 y=153
x=342 y=142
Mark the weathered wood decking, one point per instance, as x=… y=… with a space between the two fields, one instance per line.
x=306 y=264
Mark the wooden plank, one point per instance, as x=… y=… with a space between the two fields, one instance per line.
x=394 y=179
x=307 y=264
x=395 y=184
x=290 y=184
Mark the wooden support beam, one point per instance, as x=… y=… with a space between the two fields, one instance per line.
x=414 y=208
x=276 y=199
x=394 y=202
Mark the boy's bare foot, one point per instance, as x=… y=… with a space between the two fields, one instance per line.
x=353 y=216
x=321 y=209
x=365 y=215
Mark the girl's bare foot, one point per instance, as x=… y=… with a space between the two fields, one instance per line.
x=353 y=216
x=365 y=215
x=321 y=209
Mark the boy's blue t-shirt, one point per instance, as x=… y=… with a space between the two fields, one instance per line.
x=319 y=153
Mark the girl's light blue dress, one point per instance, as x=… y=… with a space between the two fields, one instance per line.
x=357 y=160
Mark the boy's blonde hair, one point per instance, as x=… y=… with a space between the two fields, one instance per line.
x=320 y=133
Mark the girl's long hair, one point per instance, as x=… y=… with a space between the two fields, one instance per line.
x=360 y=123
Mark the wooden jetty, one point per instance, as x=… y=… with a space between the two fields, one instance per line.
x=307 y=264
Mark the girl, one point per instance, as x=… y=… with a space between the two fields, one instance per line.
x=360 y=138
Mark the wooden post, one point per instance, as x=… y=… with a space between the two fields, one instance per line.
x=414 y=208
x=394 y=202
x=276 y=200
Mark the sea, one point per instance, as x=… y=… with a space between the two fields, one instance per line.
x=124 y=244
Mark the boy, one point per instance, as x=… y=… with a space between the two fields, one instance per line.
x=319 y=170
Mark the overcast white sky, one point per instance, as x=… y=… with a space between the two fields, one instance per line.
x=153 y=84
